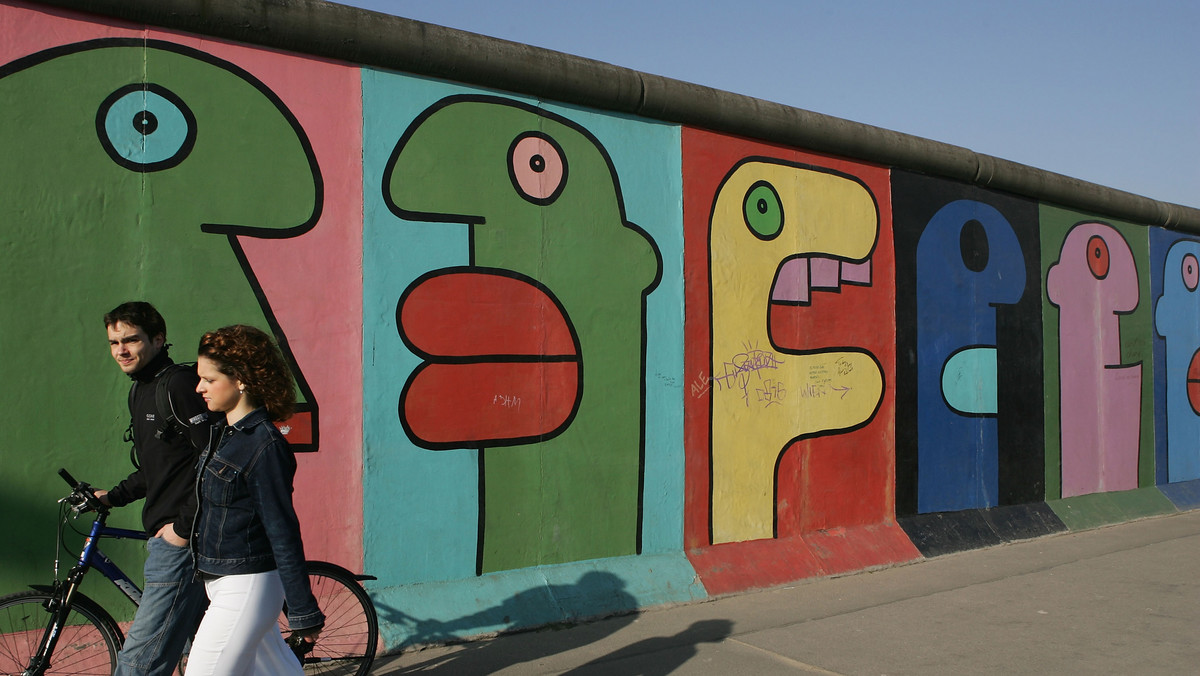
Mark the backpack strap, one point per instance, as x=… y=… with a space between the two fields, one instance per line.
x=168 y=424
x=128 y=437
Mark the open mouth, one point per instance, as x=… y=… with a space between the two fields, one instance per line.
x=501 y=361
x=799 y=276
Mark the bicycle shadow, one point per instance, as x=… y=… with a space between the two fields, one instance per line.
x=517 y=616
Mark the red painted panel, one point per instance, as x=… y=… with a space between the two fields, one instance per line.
x=759 y=564
x=835 y=494
x=735 y=567
x=842 y=550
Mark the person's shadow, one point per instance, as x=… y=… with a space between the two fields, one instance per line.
x=524 y=610
x=656 y=656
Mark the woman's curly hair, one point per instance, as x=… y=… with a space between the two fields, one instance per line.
x=249 y=355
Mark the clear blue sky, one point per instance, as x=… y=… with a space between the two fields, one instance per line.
x=1101 y=90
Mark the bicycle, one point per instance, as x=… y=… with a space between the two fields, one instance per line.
x=57 y=630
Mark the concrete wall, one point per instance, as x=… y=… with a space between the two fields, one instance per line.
x=574 y=340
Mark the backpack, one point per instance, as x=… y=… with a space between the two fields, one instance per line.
x=168 y=424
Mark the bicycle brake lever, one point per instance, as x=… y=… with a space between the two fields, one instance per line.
x=79 y=504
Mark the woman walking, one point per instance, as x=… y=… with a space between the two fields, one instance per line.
x=247 y=537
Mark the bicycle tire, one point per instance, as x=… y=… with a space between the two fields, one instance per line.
x=88 y=643
x=349 y=640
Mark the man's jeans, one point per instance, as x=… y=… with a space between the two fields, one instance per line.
x=173 y=602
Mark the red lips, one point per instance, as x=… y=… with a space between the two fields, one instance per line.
x=501 y=360
x=1193 y=382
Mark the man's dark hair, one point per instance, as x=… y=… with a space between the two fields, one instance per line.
x=140 y=314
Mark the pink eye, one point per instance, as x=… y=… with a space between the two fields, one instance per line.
x=1190 y=271
x=537 y=167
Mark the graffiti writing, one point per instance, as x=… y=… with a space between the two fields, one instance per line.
x=844 y=366
x=771 y=393
x=507 y=401
x=736 y=373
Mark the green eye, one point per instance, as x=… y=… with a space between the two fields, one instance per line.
x=763 y=211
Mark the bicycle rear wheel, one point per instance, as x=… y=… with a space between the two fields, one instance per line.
x=350 y=638
x=88 y=644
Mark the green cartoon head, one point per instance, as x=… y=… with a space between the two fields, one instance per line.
x=128 y=169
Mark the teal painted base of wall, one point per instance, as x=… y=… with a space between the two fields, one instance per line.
x=446 y=612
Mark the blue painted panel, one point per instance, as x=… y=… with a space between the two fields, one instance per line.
x=968 y=261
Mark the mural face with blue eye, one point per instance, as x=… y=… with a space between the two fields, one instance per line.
x=1177 y=320
x=111 y=193
x=145 y=127
x=968 y=261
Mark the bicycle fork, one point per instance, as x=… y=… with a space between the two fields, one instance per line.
x=62 y=594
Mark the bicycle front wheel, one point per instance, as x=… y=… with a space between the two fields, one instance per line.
x=88 y=642
x=350 y=638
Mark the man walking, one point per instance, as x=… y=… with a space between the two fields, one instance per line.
x=169 y=428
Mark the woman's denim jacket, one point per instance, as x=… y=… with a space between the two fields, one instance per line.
x=246 y=522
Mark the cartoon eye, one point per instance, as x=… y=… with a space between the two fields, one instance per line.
x=1097 y=256
x=973 y=245
x=763 y=211
x=145 y=127
x=537 y=167
x=1190 y=271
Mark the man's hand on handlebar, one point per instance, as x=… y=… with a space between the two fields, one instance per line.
x=84 y=498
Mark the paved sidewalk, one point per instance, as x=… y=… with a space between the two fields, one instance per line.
x=1118 y=600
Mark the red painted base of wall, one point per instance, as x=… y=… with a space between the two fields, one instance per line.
x=740 y=566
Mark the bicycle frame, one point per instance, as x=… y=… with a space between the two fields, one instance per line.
x=92 y=557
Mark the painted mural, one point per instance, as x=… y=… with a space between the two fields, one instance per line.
x=549 y=313
x=525 y=276
x=1094 y=282
x=139 y=166
x=1098 y=322
x=558 y=362
x=790 y=357
x=968 y=325
x=1176 y=356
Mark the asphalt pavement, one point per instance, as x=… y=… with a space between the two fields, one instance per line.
x=1121 y=599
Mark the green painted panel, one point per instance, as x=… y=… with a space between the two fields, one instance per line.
x=1104 y=509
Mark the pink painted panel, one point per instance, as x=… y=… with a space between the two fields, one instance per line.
x=1094 y=281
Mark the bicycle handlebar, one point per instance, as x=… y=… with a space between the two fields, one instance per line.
x=82 y=497
x=62 y=472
